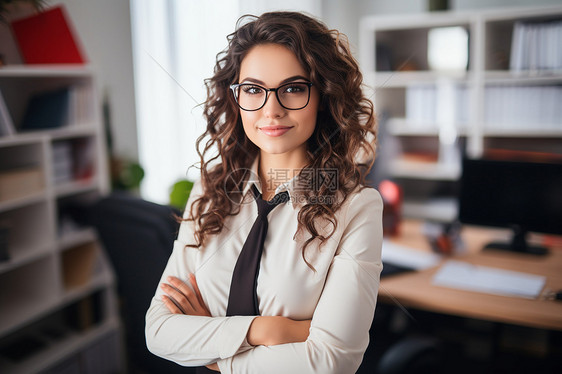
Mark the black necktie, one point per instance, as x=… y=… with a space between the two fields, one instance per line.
x=243 y=298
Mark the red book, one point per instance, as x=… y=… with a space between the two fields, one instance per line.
x=47 y=38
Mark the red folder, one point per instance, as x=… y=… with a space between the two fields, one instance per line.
x=47 y=38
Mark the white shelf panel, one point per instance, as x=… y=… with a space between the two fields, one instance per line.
x=423 y=170
x=523 y=133
x=22 y=201
x=403 y=127
x=20 y=139
x=76 y=187
x=97 y=282
x=407 y=78
x=73 y=132
x=20 y=257
x=78 y=237
x=439 y=209
x=27 y=293
x=415 y=21
x=45 y=71
x=523 y=77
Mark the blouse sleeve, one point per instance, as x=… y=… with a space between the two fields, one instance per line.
x=191 y=340
x=339 y=331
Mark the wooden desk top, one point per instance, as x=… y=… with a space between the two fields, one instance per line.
x=415 y=289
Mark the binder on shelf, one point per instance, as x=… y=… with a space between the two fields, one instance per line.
x=78 y=265
x=536 y=46
x=6 y=124
x=47 y=38
x=47 y=110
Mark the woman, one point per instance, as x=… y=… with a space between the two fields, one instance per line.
x=286 y=115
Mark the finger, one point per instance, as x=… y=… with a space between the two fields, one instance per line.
x=193 y=282
x=172 y=307
x=186 y=291
x=177 y=296
x=182 y=287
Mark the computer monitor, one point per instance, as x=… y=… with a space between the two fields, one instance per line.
x=523 y=196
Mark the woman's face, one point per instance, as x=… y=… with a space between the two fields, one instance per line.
x=273 y=128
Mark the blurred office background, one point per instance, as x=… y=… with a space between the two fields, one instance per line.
x=152 y=57
x=149 y=60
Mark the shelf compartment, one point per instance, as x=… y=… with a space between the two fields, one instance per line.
x=64 y=353
x=66 y=100
x=23 y=246
x=74 y=164
x=70 y=209
x=27 y=292
x=58 y=336
x=78 y=265
x=21 y=171
x=406 y=49
x=522 y=43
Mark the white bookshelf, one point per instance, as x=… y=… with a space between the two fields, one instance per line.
x=57 y=271
x=495 y=106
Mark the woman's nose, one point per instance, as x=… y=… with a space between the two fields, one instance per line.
x=272 y=107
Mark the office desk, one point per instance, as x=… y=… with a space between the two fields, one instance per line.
x=415 y=289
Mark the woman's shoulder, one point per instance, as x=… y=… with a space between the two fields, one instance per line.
x=363 y=200
x=364 y=195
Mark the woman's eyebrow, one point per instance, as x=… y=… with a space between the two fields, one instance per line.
x=287 y=80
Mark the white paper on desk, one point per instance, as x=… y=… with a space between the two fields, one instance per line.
x=462 y=275
x=408 y=257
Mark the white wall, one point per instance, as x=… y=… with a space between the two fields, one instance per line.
x=104 y=28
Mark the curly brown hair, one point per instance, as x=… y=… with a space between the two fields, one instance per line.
x=345 y=126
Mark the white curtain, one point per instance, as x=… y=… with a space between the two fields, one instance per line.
x=175 y=43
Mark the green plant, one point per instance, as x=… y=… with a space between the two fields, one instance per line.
x=180 y=193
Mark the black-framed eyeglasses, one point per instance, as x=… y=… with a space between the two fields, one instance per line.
x=292 y=96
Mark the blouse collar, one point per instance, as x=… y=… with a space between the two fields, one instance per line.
x=295 y=186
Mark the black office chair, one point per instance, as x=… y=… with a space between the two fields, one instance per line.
x=138 y=237
x=412 y=355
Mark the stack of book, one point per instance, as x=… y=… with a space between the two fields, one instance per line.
x=422 y=105
x=523 y=107
x=62 y=162
x=536 y=46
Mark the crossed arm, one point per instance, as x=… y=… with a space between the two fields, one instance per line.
x=179 y=329
x=181 y=298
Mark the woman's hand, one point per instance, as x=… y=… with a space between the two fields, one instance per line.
x=273 y=330
x=214 y=367
x=180 y=298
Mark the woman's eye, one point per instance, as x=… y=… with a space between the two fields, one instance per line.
x=252 y=90
x=293 y=89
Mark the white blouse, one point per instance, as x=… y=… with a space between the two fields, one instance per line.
x=339 y=296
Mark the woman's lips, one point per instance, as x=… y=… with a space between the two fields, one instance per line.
x=275 y=130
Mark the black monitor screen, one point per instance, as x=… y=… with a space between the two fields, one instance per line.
x=512 y=193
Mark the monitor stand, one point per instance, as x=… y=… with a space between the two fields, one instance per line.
x=518 y=244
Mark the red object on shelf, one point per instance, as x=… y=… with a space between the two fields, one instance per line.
x=47 y=38
x=392 y=213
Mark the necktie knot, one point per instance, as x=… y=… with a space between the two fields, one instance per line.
x=264 y=207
